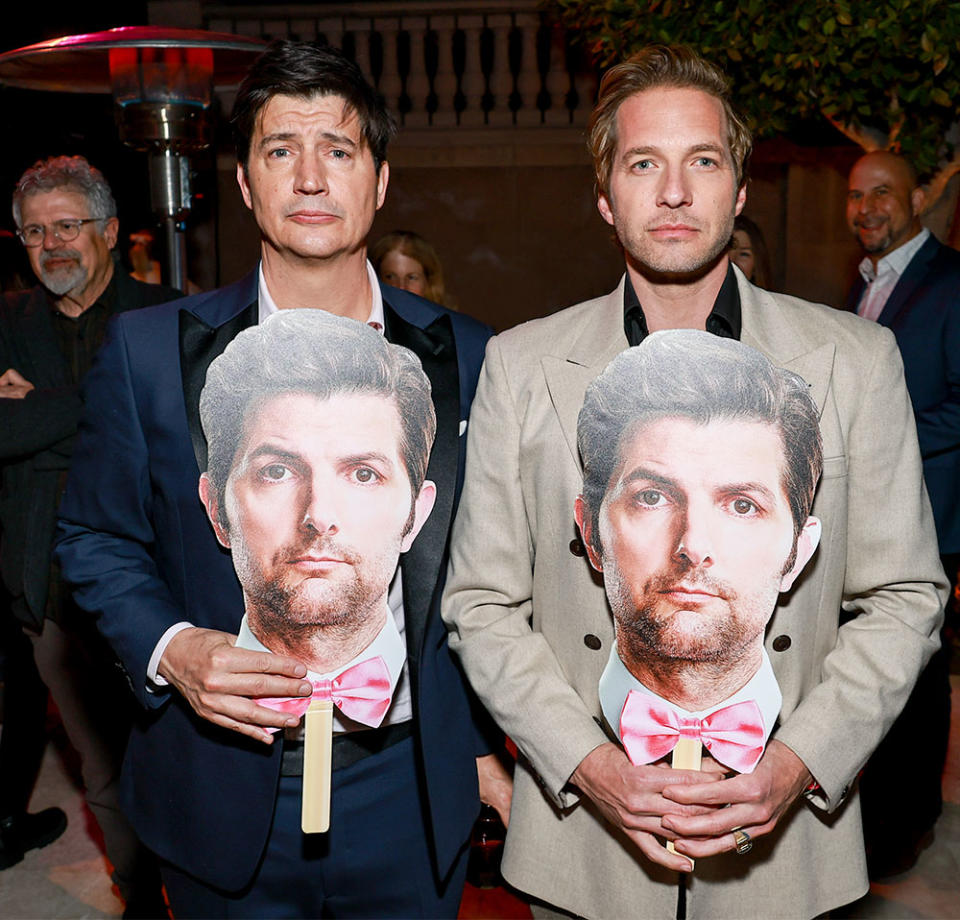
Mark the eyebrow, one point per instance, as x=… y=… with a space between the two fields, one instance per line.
x=646 y=149
x=641 y=472
x=750 y=488
x=332 y=137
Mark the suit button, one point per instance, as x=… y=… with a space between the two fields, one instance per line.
x=781 y=643
x=592 y=642
x=576 y=547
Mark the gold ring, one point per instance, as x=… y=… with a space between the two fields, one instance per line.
x=743 y=841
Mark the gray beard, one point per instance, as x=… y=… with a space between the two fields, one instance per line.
x=64 y=280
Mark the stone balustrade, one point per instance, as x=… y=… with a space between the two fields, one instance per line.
x=443 y=63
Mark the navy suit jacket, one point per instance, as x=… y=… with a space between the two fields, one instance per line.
x=135 y=541
x=923 y=312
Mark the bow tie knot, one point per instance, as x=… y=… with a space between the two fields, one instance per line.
x=734 y=735
x=362 y=693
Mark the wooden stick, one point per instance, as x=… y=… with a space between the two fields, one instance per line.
x=686 y=756
x=317 y=757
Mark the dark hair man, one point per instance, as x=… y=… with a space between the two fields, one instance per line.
x=66 y=218
x=910 y=283
x=530 y=619
x=700 y=462
x=311 y=138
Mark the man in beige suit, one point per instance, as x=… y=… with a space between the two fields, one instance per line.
x=530 y=620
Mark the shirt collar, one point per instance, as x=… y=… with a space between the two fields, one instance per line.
x=896 y=261
x=388 y=644
x=267 y=305
x=616 y=682
x=725 y=318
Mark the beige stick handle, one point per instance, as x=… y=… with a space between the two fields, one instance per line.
x=686 y=756
x=317 y=757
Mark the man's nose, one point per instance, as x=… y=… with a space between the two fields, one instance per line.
x=694 y=544
x=50 y=241
x=319 y=511
x=311 y=175
x=674 y=188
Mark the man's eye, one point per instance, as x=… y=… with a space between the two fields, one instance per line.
x=275 y=472
x=339 y=154
x=68 y=226
x=642 y=165
x=744 y=506
x=278 y=153
x=365 y=474
x=650 y=497
x=706 y=161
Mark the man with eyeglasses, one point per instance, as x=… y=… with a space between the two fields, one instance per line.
x=66 y=218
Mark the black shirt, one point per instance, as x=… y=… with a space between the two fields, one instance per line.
x=80 y=337
x=724 y=320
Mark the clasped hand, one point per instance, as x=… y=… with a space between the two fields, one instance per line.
x=697 y=810
x=219 y=680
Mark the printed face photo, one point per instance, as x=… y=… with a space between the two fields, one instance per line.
x=695 y=538
x=317 y=508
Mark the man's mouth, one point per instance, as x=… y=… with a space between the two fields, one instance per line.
x=311 y=216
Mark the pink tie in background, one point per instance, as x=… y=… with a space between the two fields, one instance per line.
x=650 y=729
x=361 y=693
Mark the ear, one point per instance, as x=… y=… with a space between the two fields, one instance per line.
x=582 y=514
x=244 y=185
x=208 y=495
x=111 y=231
x=383 y=180
x=603 y=206
x=918 y=200
x=741 y=199
x=807 y=543
x=421 y=511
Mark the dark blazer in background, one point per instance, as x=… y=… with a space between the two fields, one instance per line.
x=38 y=434
x=923 y=312
x=136 y=542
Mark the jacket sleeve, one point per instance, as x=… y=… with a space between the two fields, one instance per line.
x=893 y=585
x=105 y=535
x=488 y=599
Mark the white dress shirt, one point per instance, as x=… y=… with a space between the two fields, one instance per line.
x=883 y=279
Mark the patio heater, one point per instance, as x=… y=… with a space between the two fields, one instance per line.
x=162 y=81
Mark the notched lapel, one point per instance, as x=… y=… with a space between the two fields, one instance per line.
x=567 y=383
x=436 y=349
x=816 y=367
x=200 y=343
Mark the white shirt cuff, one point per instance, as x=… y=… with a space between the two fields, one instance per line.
x=154 y=680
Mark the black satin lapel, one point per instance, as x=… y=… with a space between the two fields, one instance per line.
x=199 y=345
x=421 y=564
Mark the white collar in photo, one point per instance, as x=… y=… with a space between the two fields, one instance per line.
x=896 y=261
x=388 y=644
x=267 y=306
x=616 y=682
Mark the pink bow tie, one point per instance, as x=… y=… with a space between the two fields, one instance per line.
x=650 y=729
x=361 y=693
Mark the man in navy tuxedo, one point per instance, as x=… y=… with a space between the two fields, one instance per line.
x=205 y=783
x=910 y=282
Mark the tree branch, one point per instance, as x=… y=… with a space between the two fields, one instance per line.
x=938 y=184
x=864 y=137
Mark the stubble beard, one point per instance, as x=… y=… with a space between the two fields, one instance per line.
x=672 y=261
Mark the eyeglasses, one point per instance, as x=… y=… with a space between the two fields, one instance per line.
x=64 y=230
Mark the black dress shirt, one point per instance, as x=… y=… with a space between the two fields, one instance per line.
x=724 y=319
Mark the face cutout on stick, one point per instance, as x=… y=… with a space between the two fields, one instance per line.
x=319 y=433
x=701 y=459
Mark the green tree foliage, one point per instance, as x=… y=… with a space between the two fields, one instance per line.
x=886 y=73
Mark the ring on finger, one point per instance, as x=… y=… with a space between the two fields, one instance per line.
x=743 y=842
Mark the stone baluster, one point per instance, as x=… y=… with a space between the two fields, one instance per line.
x=471 y=81
x=528 y=82
x=445 y=82
x=390 y=82
x=501 y=80
x=360 y=28
x=418 y=83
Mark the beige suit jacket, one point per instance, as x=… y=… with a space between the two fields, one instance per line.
x=525 y=610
